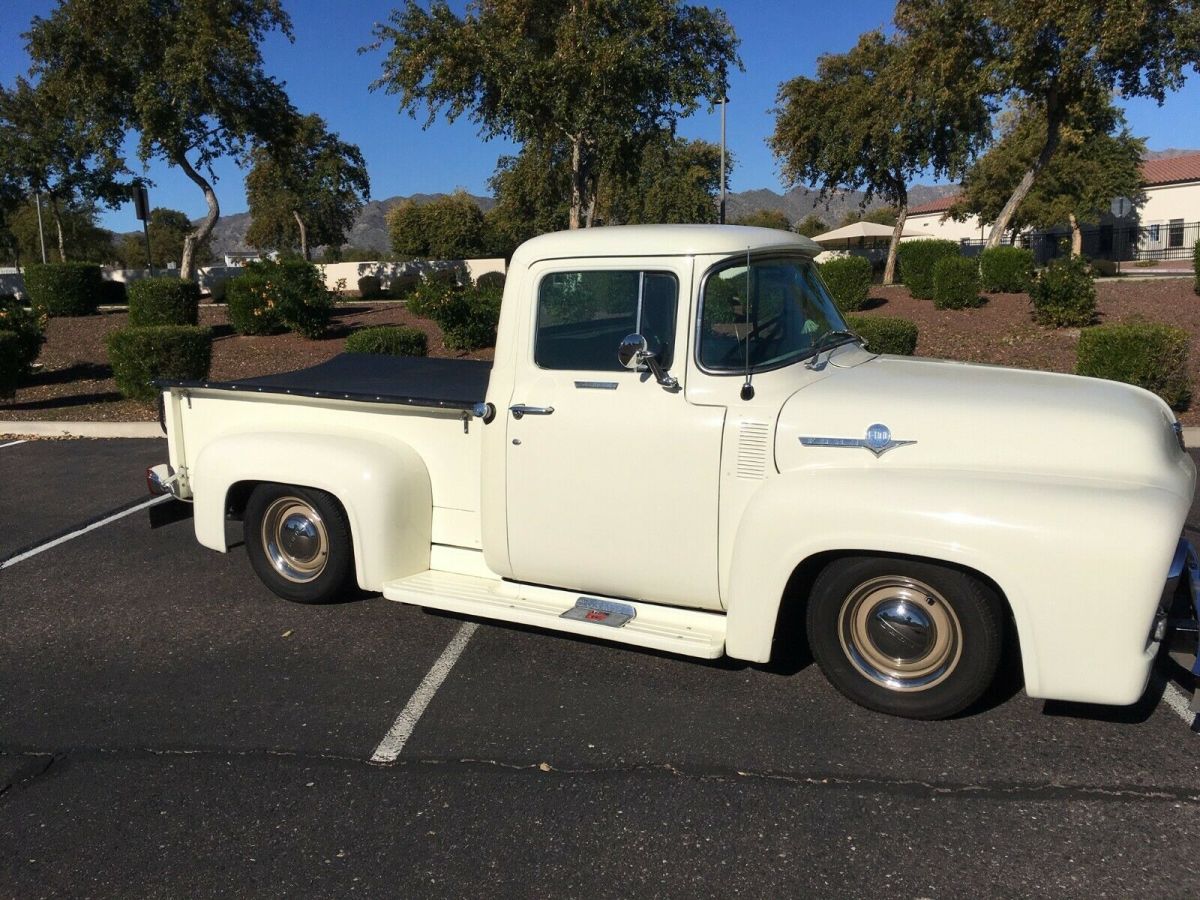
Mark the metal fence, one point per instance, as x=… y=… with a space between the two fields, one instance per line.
x=1119 y=243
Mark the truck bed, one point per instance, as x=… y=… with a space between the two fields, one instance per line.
x=373 y=378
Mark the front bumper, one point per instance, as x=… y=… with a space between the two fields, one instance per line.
x=1178 y=620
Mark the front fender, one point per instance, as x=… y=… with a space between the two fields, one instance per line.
x=383 y=486
x=1082 y=563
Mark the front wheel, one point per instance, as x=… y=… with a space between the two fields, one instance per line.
x=905 y=637
x=298 y=540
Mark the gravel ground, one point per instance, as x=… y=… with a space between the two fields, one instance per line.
x=76 y=382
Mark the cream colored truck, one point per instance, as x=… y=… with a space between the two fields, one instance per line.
x=678 y=438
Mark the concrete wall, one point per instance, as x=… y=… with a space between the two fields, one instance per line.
x=933 y=225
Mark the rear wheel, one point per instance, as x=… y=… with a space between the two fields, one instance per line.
x=905 y=637
x=298 y=541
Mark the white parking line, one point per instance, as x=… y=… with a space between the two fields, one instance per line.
x=393 y=742
x=1180 y=704
x=14 y=443
x=12 y=561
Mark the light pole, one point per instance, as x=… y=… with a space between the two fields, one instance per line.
x=724 y=100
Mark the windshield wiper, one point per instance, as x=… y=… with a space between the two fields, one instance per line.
x=828 y=341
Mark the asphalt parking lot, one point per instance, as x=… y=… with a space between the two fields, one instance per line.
x=169 y=728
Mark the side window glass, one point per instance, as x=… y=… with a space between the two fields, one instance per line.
x=582 y=317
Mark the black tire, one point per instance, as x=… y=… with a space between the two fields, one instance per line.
x=298 y=541
x=905 y=637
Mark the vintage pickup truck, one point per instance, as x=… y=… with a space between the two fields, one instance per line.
x=679 y=440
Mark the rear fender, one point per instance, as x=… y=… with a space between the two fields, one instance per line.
x=383 y=486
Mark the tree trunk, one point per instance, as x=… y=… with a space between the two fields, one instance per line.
x=1026 y=182
x=303 y=235
x=577 y=190
x=192 y=240
x=889 y=271
x=62 y=244
x=1076 y=236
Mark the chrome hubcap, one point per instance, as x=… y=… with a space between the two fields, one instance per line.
x=900 y=633
x=295 y=539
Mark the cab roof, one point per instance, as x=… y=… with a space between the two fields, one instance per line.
x=659 y=240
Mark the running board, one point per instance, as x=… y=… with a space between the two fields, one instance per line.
x=685 y=631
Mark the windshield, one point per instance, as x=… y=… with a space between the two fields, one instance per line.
x=767 y=315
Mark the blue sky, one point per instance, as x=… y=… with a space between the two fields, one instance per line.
x=325 y=74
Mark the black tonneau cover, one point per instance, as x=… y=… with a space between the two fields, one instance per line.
x=373 y=378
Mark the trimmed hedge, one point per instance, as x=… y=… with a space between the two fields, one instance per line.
x=163 y=301
x=390 y=340
x=10 y=363
x=490 y=280
x=400 y=286
x=1006 y=270
x=269 y=297
x=29 y=328
x=956 y=283
x=917 y=259
x=113 y=293
x=849 y=281
x=1147 y=354
x=139 y=356
x=369 y=287
x=64 y=289
x=886 y=334
x=468 y=318
x=1064 y=294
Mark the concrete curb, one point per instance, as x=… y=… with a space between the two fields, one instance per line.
x=82 y=429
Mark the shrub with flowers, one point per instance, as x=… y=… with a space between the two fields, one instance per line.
x=270 y=297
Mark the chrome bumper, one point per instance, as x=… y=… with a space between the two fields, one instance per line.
x=162 y=480
x=1178 y=620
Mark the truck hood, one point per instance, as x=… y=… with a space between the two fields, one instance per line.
x=982 y=418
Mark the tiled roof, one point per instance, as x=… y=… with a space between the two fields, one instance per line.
x=934 y=206
x=1171 y=171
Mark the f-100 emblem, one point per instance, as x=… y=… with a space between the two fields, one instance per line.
x=878 y=440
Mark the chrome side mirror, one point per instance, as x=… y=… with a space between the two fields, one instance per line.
x=634 y=352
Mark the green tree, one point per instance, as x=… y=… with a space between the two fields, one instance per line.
x=532 y=191
x=812 y=225
x=1059 y=60
x=871 y=120
x=88 y=242
x=765 y=218
x=1077 y=185
x=186 y=75
x=671 y=181
x=449 y=227
x=169 y=229
x=305 y=192
x=45 y=150
x=592 y=74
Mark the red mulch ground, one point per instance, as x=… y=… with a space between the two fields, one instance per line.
x=76 y=383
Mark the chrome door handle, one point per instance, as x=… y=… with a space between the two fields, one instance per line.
x=520 y=409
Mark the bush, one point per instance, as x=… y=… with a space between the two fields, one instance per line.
x=849 y=281
x=27 y=326
x=1196 y=266
x=427 y=297
x=269 y=297
x=217 y=289
x=388 y=339
x=956 y=283
x=1147 y=354
x=10 y=363
x=468 y=318
x=138 y=356
x=369 y=287
x=1064 y=294
x=400 y=286
x=64 y=289
x=886 y=334
x=163 y=301
x=113 y=293
x=491 y=280
x=1006 y=270
x=917 y=259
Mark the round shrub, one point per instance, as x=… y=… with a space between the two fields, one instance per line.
x=391 y=340
x=163 y=301
x=491 y=280
x=10 y=363
x=1006 y=270
x=64 y=289
x=468 y=318
x=252 y=310
x=1064 y=294
x=427 y=297
x=400 y=286
x=139 y=356
x=886 y=334
x=29 y=328
x=369 y=287
x=217 y=289
x=113 y=293
x=917 y=259
x=956 y=283
x=268 y=297
x=849 y=281
x=1150 y=355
